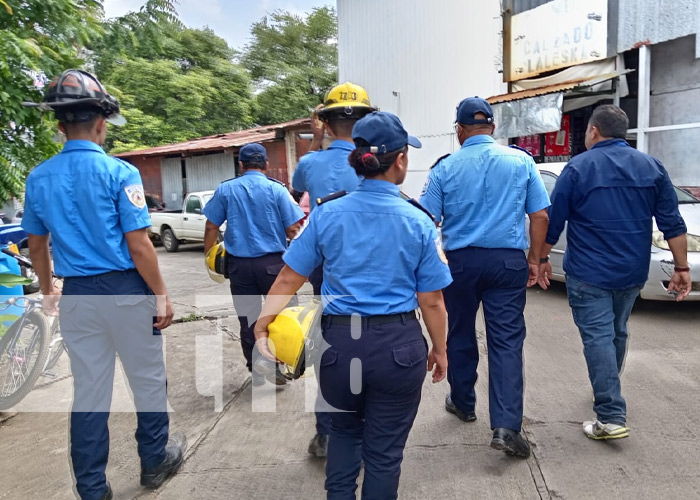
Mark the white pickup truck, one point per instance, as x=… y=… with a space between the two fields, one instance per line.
x=182 y=226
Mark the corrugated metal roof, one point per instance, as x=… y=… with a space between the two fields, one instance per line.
x=646 y=22
x=518 y=6
x=557 y=87
x=220 y=141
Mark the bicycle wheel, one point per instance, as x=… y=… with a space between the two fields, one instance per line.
x=23 y=352
x=56 y=345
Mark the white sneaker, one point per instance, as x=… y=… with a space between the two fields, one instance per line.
x=598 y=430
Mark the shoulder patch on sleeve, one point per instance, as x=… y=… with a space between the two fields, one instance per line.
x=136 y=196
x=440 y=251
x=515 y=146
x=439 y=160
x=331 y=197
x=425 y=186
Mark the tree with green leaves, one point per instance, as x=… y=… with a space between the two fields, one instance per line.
x=37 y=37
x=293 y=62
x=173 y=83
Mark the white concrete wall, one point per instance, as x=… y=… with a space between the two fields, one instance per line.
x=675 y=99
x=418 y=59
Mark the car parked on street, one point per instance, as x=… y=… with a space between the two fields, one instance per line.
x=174 y=227
x=661 y=259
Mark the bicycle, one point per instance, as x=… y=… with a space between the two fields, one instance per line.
x=30 y=347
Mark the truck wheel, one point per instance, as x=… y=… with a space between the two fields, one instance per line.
x=169 y=240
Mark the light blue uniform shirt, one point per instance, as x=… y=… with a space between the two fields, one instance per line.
x=377 y=252
x=321 y=173
x=87 y=201
x=482 y=193
x=257 y=211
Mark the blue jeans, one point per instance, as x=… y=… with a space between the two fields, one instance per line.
x=601 y=316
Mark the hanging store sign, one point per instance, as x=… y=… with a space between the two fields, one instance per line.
x=556 y=35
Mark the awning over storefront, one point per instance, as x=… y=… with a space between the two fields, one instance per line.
x=536 y=105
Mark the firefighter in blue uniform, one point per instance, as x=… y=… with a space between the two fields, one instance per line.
x=93 y=208
x=321 y=173
x=381 y=259
x=481 y=194
x=260 y=215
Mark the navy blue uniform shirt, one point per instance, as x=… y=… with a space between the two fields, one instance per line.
x=609 y=195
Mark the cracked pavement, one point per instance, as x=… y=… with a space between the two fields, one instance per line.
x=239 y=453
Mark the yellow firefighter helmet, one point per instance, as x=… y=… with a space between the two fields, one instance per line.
x=295 y=337
x=348 y=100
x=215 y=262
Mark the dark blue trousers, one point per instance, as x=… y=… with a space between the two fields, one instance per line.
x=496 y=278
x=323 y=419
x=375 y=380
x=250 y=279
x=102 y=316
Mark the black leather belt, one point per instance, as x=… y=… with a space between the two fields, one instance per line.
x=333 y=319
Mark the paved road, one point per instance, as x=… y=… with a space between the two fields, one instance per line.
x=237 y=453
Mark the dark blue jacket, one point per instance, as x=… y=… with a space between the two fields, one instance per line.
x=609 y=195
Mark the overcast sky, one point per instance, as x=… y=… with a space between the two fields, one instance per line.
x=230 y=19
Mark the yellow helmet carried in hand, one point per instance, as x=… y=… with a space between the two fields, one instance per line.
x=295 y=337
x=347 y=100
x=215 y=262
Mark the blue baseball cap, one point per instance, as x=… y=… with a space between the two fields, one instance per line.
x=383 y=131
x=471 y=106
x=252 y=152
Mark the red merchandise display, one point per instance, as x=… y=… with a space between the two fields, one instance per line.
x=531 y=144
x=559 y=143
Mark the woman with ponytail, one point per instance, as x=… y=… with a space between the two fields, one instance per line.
x=381 y=260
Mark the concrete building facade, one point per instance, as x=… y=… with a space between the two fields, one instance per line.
x=545 y=64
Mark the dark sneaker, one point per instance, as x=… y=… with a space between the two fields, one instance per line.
x=468 y=416
x=513 y=443
x=319 y=445
x=598 y=430
x=174 y=452
x=107 y=494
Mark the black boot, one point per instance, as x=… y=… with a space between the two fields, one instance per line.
x=510 y=441
x=319 y=445
x=468 y=416
x=107 y=494
x=174 y=452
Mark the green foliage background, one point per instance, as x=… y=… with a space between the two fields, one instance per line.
x=173 y=83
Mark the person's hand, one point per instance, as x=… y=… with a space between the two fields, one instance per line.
x=318 y=129
x=262 y=338
x=437 y=363
x=545 y=274
x=534 y=274
x=680 y=284
x=50 y=300
x=164 y=312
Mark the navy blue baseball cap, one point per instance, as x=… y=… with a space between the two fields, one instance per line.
x=252 y=152
x=384 y=132
x=471 y=106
